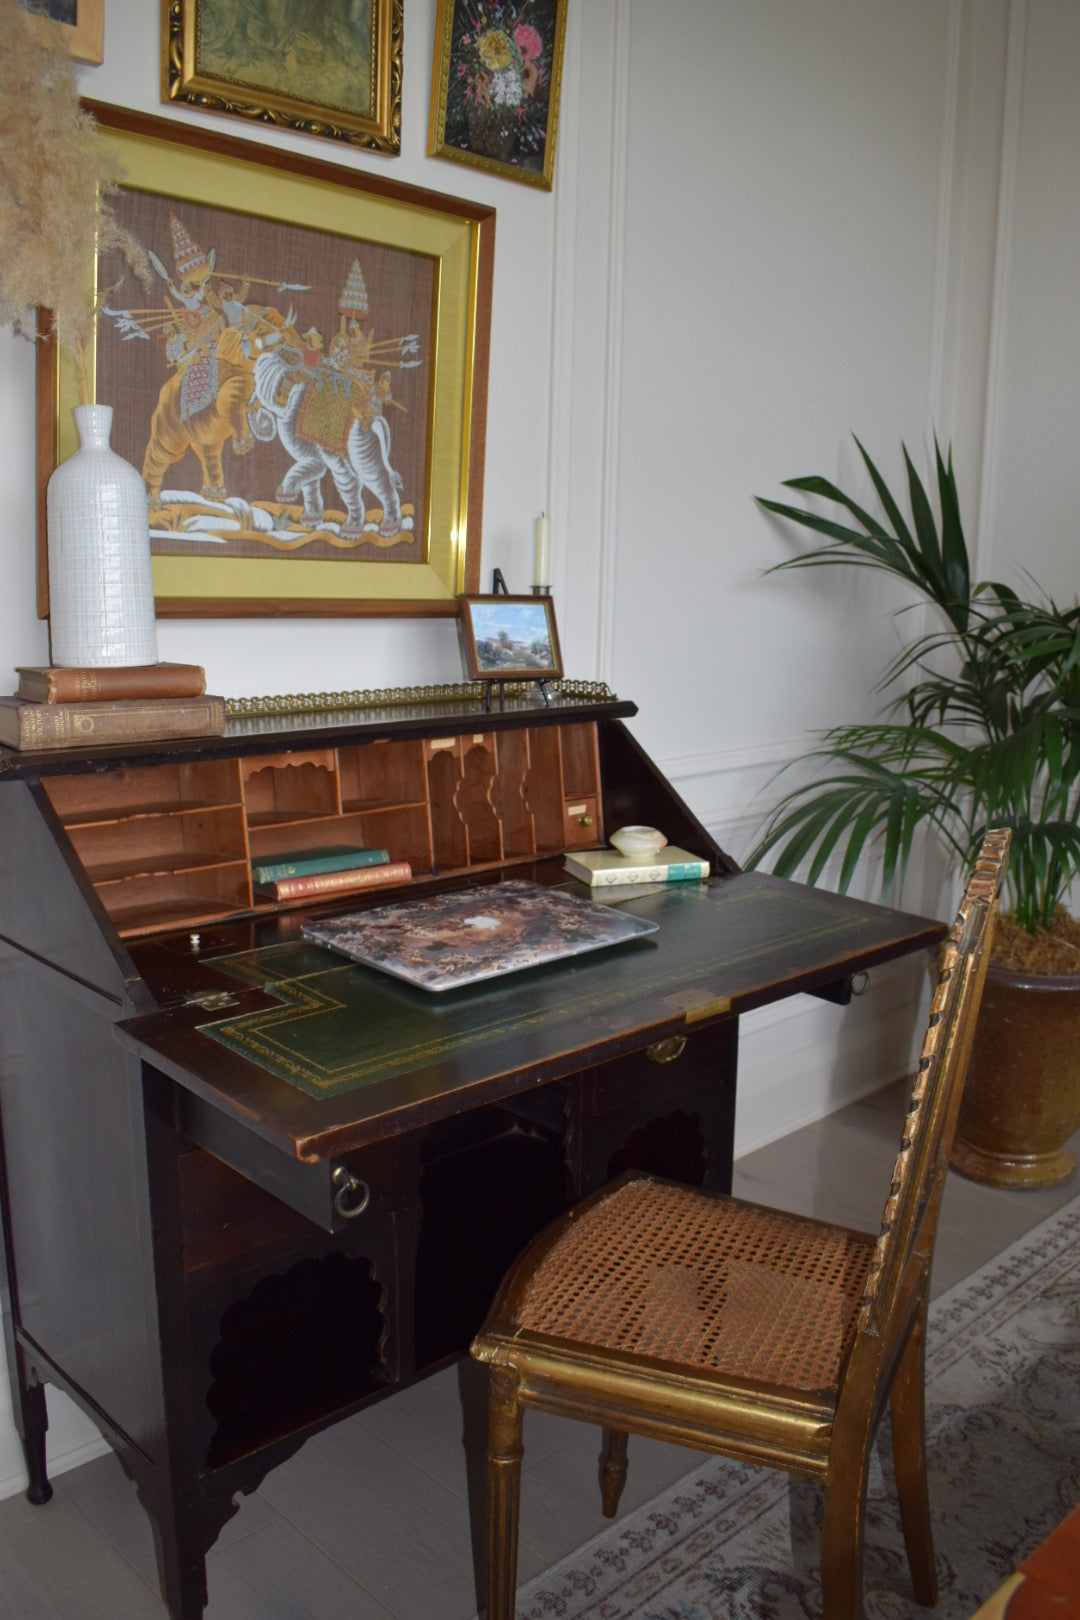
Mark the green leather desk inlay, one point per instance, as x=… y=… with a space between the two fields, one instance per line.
x=341 y=1026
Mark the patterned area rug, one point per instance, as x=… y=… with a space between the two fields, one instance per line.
x=1003 y=1422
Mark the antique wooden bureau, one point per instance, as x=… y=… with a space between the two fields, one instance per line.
x=248 y=1186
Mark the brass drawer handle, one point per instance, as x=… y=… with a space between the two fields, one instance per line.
x=666 y=1051
x=349 y=1187
x=584 y=821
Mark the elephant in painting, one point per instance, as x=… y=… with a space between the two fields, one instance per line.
x=359 y=460
x=206 y=430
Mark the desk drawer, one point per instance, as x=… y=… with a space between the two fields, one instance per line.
x=336 y=1194
x=661 y=1070
x=668 y=1109
x=581 y=822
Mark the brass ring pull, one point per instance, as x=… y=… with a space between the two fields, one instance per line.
x=349 y=1187
x=666 y=1051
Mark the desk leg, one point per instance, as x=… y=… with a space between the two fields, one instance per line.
x=174 y=1497
x=32 y=1422
x=181 y=1568
x=473 y=1389
x=27 y=1395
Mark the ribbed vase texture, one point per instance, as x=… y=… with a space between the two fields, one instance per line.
x=101 y=593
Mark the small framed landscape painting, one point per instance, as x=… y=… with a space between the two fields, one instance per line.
x=510 y=638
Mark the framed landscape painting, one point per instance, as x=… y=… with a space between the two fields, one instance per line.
x=495 y=86
x=302 y=386
x=331 y=68
x=510 y=638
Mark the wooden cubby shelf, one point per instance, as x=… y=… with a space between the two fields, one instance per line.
x=172 y=844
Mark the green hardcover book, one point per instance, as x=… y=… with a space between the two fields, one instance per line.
x=305 y=862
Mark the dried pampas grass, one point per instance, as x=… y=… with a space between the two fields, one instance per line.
x=55 y=172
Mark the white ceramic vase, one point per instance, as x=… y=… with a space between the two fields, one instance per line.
x=101 y=593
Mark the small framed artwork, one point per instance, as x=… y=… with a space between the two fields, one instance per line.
x=303 y=386
x=495 y=86
x=77 y=24
x=510 y=638
x=331 y=69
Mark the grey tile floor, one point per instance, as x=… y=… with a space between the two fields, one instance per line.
x=369 y=1520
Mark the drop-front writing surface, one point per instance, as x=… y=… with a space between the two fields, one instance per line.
x=322 y=1237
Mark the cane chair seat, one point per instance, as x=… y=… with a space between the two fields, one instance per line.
x=658 y=1269
x=659 y=1309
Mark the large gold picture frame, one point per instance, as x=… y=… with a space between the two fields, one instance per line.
x=84 y=39
x=304 y=387
x=331 y=69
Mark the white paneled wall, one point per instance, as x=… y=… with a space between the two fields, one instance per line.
x=772 y=225
x=1033 y=424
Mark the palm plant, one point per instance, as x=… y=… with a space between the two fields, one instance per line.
x=982 y=726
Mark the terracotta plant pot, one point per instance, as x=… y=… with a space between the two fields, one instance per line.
x=1021 y=1100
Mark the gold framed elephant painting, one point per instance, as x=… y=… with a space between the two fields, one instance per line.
x=300 y=379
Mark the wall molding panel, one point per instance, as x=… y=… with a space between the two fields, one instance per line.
x=613 y=370
x=939 y=407
x=1012 y=118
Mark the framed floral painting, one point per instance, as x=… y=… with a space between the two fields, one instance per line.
x=495 y=86
x=301 y=381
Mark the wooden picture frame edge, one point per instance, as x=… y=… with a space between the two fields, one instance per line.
x=479 y=219
x=85 y=41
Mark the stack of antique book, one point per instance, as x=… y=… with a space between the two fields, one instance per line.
x=59 y=708
x=334 y=869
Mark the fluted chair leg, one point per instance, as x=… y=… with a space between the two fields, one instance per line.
x=907 y=1404
x=612 y=1470
x=842 y=1542
x=504 y=1495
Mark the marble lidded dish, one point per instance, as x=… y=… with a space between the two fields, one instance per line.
x=638 y=843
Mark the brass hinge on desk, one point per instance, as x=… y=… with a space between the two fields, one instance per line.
x=696 y=1005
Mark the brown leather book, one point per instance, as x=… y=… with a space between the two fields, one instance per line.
x=367 y=877
x=29 y=726
x=51 y=684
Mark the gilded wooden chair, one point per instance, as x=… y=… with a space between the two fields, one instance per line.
x=662 y=1310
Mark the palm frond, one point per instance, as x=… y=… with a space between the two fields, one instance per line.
x=982 y=722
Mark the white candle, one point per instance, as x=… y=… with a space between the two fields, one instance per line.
x=542 y=556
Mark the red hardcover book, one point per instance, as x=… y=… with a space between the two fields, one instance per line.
x=320 y=883
x=51 y=684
